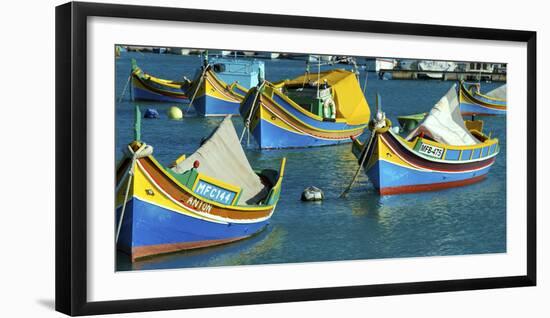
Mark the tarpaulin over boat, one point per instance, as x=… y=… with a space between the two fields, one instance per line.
x=222 y=157
x=499 y=92
x=445 y=124
x=346 y=91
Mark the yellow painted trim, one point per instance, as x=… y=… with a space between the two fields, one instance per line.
x=212 y=91
x=358 y=127
x=487 y=142
x=219 y=183
x=235 y=207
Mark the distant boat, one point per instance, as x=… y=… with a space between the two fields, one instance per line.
x=246 y=53
x=310 y=110
x=151 y=88
x=407 y=65
x=444 y=151
x=160 y=50
x=472 y=102
x=268 y=55
x=210 y=198
x=311 y=58
x=433 y=67
x=208 y=92
x=382 y=64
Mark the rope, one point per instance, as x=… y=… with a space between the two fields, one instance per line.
x=140 y=153
x=125 y=87
x=247 y=122
x=363 y=159
x=365 y=84
x=201 y=78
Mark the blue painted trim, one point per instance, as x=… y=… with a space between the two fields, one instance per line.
x=147 y=224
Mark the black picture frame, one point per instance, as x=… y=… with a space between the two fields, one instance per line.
x=71 y=157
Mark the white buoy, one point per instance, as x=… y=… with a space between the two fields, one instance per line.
x=313 y=194
x=175 y=113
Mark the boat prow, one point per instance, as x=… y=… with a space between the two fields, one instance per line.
x=472 y=102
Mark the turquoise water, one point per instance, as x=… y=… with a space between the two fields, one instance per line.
x=459 y=221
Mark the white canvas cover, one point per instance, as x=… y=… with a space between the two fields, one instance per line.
x=499 y=92
x=445 y=124
x=222 y=157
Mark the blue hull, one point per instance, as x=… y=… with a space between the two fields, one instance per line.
x=148 y=225
x=211 y=106
x=386 y=175
x=141 y=94
x=468 y=108
x=269 y=136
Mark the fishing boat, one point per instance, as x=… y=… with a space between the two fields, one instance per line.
x=435 y=69
x=444 y=151
x=384 y=64
x=148 y=87
x=311 y=110
x=208 y=92
x=210 y=198
x=473 y=102
x=268 y=55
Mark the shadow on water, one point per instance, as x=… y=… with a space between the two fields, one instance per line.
x=243 y=252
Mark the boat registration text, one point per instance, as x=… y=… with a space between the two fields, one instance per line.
x=432 y=151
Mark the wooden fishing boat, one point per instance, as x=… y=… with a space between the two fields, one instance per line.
x=311 y=110
x=151 y=88
x=473 y=102
x=210 y=198
x=442 y=152
x=208 y=92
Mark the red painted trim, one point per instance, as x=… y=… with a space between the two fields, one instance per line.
x=413 y=159
x=155 y=90
x=429 y=187
x=151 y=250
x=476 y=114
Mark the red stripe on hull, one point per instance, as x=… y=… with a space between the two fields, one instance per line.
x=429 y=187
x=151 y=250
x=477 y=114
x=415 y=160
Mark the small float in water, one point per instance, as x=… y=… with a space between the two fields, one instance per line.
x=312 y=193
x=311 y=110
x=151 y=113
x=473 y=102
x=210 y=198
x=444 y=151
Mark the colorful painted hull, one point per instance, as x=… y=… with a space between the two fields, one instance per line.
x=140 y=92
x=163 y=216
x=216 y=98
x=212 y=98
x=149 y=88
x=474 y=103
x=396 y=166
x=277 y=122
